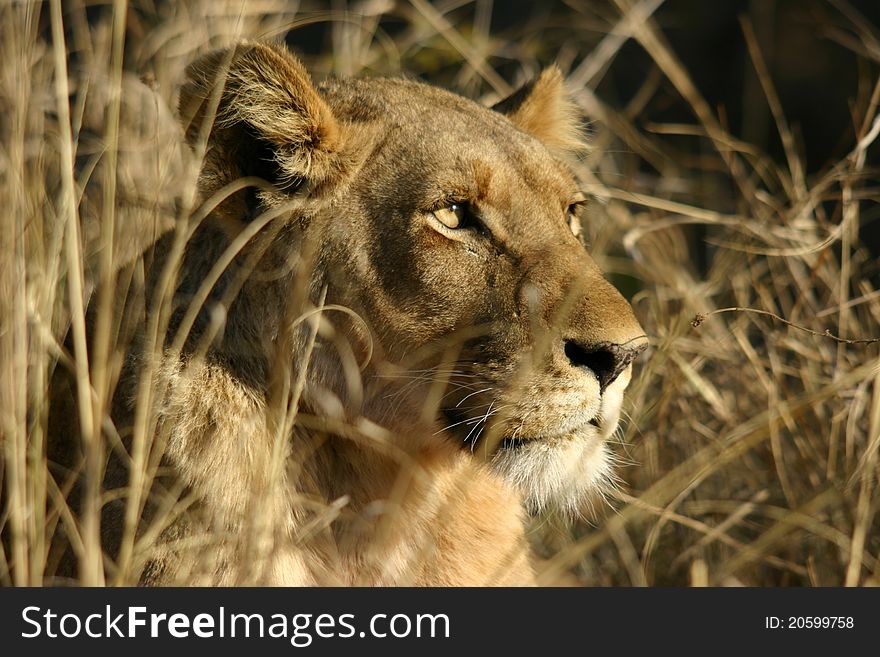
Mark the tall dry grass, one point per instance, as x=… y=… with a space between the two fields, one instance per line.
x=754 y=426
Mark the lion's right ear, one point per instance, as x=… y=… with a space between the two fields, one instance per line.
x=270 y=120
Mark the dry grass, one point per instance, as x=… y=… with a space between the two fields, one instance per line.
x=754 y=443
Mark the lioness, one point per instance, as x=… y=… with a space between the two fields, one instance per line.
x=386 y=341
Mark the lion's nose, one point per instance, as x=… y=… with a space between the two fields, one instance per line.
x=606 y=359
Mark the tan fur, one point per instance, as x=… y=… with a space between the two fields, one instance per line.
x=454 y=375
x=543 y=109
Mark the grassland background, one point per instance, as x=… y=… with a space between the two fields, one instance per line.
x=734 y=165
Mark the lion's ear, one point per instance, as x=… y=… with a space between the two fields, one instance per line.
x=544 y=109
x=269 y=118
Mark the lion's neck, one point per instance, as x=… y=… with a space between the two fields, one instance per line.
x=414 y=508
x=432 y=517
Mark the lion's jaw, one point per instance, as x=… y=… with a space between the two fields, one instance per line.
x=565 y=471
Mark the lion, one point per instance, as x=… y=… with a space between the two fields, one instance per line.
x=387 y=342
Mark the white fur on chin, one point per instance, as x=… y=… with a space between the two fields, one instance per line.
x=561 y=474
x=566 y=474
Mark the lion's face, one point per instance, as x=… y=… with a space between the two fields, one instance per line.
x=452 y=230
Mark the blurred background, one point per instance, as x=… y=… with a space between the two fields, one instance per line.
x=734 y=167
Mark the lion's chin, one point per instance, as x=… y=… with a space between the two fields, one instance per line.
x=564 y=474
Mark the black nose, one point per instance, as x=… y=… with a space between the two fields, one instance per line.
x=606 y=360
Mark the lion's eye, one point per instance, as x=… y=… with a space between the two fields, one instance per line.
x=574 y=220
x=453 y=216
x=573 y=214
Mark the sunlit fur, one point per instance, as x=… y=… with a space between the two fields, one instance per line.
x=566 y=474
x=303 y=404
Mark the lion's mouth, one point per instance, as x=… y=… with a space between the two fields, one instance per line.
x=586 y=432
x=469 y=431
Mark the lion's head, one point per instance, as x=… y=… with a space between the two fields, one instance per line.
x=452 y=232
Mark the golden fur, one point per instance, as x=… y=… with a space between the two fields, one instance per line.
x=405 y=345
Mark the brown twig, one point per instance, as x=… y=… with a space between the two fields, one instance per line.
x=699 y=318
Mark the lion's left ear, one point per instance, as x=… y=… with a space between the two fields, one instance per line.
x=544 y=109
